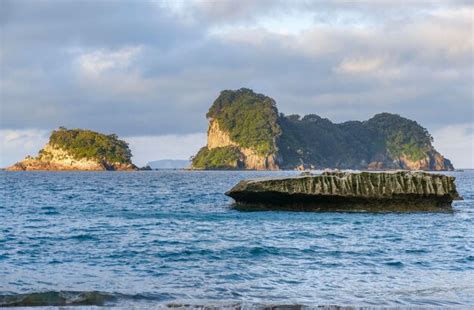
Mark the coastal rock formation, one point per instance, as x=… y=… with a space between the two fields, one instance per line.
x=247 y=132
x=79 y=149
x=432 y=161
x=346 y=191
x=242 y=133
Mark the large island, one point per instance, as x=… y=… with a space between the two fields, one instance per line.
x=246 y=131
x=79 y=149
x=398 y=191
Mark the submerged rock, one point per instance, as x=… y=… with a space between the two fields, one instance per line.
x=401 y=191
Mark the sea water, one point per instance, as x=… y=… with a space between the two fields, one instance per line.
x=156 y=238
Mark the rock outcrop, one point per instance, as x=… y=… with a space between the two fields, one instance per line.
x=242 y=133
x=433 y=161
x=78 y=150
x=398 y=191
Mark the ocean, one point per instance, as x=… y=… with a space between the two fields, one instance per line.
x=171 y=238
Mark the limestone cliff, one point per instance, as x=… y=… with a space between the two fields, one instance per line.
x=242 y=133
x=433 y=161
x=79 y=150
x=249 y=159
x=385 y=191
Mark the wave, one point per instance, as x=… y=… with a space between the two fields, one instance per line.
x=56 y=298
x=95 y=298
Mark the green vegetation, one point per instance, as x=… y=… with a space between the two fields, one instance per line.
x=322 y=143
x=90 y=144
x=319 y=142
x=249 y=118
x=227 y=157
x=401 y=136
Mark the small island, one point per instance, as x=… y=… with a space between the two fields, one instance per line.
x=398 y=191
x=80 y=149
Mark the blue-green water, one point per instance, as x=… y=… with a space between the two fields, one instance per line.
x=161 y=237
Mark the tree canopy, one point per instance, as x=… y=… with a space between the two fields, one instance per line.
x=249 y=118
x=90 y=144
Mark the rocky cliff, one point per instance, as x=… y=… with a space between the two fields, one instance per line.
x=247 y=132
x=343 y=191
x=79 y=150
x=249 y=158
x=432 y=161
x=242 y=133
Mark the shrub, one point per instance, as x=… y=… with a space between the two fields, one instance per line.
x=227 y=157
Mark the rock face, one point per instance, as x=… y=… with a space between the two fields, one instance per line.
x=249 y=158
x=401 y=191
x=433 y=161
x=242 y=133
x=72 y=155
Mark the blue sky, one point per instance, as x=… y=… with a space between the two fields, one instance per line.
x=149 y=70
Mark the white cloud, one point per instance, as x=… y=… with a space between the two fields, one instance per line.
x=360 y=65
x=17 y=144
x=456 y=142
x=112 y=73
x=156 y=71
x=96 y=62
x=149 y=148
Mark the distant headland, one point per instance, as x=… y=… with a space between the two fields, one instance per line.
x=169 y=164
x=247 y=132
x=79 y=149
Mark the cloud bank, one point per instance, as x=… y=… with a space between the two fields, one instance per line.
x=152 y=68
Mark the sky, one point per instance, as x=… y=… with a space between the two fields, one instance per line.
x=149 y=70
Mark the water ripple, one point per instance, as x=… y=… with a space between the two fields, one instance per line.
x=171 y=238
